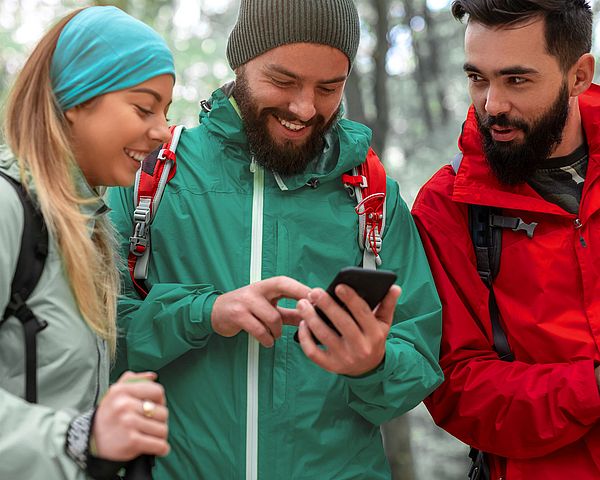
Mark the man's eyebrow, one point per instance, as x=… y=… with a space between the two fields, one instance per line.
x=467 y=67
x=513 y=70
x=517 y=70
x=287 y=73
x=154 y=93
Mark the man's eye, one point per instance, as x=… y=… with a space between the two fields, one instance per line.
x=281 y=83
x=474 y=77
x=327 y=90
x=517 y=80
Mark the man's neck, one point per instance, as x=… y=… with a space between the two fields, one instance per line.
x=573 y=135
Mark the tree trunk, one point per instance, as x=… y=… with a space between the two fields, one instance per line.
x=420 y=76
x=381 y=123
x=355 y=107
x=396 y=440
x=434 y=64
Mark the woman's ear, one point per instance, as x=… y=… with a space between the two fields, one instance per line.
x=72 y=114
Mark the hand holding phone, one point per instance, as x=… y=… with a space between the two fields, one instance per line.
x=361 y=347
x=371 y=285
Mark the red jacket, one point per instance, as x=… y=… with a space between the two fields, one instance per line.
x=538 y=415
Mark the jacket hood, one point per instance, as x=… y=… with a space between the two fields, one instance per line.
x=8 y=163
x=93 y=203
x=475 y=182
x=346 y=143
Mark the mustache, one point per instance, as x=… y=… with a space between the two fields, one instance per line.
x=317 y=119
x=504 y=121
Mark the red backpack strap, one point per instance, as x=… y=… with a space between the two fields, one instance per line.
x=156 y=171
x=368 y=181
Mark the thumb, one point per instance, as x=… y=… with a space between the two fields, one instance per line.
x=385 y=310
x=290 y=316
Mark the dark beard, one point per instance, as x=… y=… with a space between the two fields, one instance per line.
x=514 y=163
x=284 y=158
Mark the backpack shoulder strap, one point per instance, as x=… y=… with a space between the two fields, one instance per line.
x=485 y=228
x=486 y=236
x=487 y=242
x=156 y=171
x=30 y=265
x=367 y=183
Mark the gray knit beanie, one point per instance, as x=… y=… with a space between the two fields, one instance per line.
x=265 y=24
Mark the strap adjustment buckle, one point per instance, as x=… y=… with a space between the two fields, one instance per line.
x=166 y=154
x=516 y=224
x=140 y=239
x=18 y=308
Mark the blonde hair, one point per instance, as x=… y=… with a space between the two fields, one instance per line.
x=38 y=134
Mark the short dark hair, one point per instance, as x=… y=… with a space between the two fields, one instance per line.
x=568 y=23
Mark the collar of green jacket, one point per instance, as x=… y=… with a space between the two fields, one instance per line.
x=346 y=143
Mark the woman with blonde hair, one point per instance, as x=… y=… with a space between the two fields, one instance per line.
x=88 y=106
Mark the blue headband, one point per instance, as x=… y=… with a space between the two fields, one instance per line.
x=102 y=50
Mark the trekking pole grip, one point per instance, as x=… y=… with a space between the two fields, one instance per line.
x=140 y=468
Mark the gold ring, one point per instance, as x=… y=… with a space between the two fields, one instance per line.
x=148 y=408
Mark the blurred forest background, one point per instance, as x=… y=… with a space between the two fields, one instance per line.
x=407 y=85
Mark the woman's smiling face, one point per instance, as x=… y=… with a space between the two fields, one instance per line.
x=111 y=134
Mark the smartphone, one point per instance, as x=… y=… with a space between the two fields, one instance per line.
x=371 y=285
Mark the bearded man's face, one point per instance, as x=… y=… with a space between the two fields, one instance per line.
x=520 y=93
x=515 y=161
x=289 y=97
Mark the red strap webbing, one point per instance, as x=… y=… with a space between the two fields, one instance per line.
x=370 y=178
x=149 y=179
x=140 y=287
x=152 y=169
x=373 y=170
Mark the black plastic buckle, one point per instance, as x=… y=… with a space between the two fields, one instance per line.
x=18 y=308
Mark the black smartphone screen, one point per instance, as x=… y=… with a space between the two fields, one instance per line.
x=371 y=285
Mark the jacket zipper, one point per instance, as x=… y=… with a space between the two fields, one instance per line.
x=578 y=225
x=98 y=366
x=253 y=346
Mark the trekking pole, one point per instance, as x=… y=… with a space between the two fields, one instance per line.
x=140 y=468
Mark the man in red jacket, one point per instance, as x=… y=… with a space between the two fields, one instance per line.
x=530 y=148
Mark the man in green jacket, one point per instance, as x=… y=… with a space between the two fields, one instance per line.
x=257 y=209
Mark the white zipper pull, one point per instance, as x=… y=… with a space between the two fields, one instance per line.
x=253 y=165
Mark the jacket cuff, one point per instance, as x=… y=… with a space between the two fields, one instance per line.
x=78 y=437
x=376 y=375
x=77 y=447
x=586 y=391
x=204 y=324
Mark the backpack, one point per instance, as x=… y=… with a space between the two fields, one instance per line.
x=485 y=228
x=30 y=264
x=366 y=183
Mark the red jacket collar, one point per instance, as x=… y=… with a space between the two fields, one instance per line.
x=475 y=182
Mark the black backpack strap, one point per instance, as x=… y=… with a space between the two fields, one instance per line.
x=487 y=242
x=30 y=264
x=480 y=469
x=485 y=226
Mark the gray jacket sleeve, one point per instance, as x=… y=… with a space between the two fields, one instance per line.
x=32 y=441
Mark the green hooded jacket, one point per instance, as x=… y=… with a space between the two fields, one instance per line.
x=242 y=411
